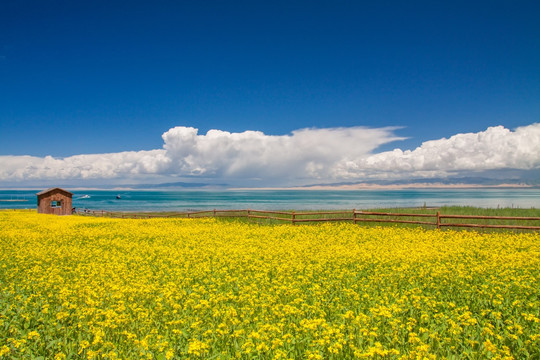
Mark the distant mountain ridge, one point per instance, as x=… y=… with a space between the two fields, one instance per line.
x=471 y=180
x=177 y=184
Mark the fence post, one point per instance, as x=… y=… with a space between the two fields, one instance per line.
x=354 y=216
x=248 y=213
x=293 y=217
x=438 y=219
x=214 y=212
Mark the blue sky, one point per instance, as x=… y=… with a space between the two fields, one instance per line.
x=81 y=77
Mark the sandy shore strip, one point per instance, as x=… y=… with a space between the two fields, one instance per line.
x=364 y=186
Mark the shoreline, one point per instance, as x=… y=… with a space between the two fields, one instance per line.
x=412 y=186
x=361 y=186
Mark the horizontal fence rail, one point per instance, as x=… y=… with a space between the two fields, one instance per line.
x=354 y=216
x=438 y=217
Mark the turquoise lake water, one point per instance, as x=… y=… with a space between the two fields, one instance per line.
x=192 y=200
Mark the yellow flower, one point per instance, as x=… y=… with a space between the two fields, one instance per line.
x=33 y=335
x=226 y=289
x=4 y=350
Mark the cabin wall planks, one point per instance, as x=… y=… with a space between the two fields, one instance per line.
x=54 y=201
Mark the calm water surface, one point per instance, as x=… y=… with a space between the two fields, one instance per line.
x=179 y=200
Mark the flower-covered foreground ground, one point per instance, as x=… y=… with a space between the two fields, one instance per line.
x=92 y=288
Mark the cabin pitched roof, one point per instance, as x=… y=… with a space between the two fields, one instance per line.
x=53 y=189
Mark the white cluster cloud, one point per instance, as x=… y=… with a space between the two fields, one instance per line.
x=495 y=148
x=92 y=166
x=308 y=154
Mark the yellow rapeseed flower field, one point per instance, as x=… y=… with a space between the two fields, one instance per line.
x=92 y=288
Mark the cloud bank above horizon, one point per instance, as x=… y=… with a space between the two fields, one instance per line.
x=304 y=156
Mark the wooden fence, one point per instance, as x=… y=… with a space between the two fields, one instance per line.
x=355 y=216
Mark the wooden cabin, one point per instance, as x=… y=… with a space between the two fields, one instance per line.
x=54 y=201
